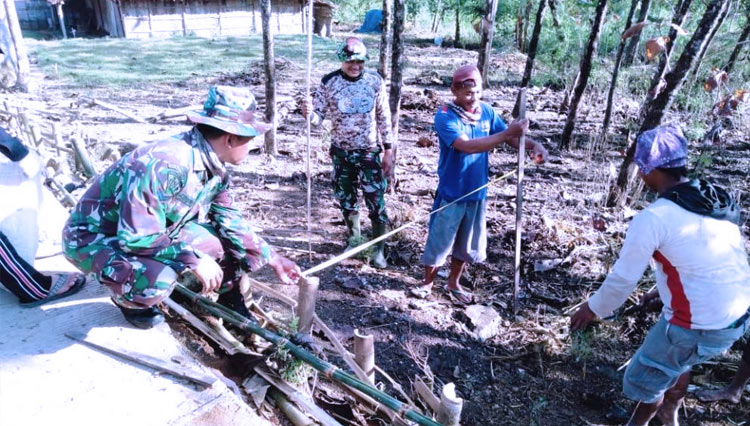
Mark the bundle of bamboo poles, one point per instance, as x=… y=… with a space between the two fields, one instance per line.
x=328 y=369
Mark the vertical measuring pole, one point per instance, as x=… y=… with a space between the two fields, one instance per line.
x=519 y=201
x=308 y=77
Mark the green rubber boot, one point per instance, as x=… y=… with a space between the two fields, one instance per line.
x=355 y=234
x=378 y=258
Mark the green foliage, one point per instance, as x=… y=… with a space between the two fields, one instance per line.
x=580 y=345
x=537 y=411
x=292 y=369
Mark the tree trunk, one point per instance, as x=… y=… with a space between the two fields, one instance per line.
x=485 y=49
x=532 y=53
x=13 y=44
x=674 y=80
x=457 y=37
x=678 y=19
x=61 y=18
x=520 y=28
x=615 y=72
x=744 y=37
x=385 y=39
x=555 y=20
x=630 y=49
x=397 y=76
x=270 y=69
x=399 y=9
x=437 y=16
x=525 y=26
x=585 y=71
x=709 y=40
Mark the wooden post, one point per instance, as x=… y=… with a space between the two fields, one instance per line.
x=269 y=66
x=184 y=24
x=364 y=354
x=308 y=289
x=519 y=202
x=449 y=413
x=61 y=17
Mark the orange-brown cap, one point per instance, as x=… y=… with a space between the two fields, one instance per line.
x=464 y=74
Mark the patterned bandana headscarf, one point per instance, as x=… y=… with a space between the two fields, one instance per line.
x=352 y=49
x=664 y=147
x=470 y=118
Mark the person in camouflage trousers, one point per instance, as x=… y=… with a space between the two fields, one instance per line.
x=164 y=209
x=355 y=101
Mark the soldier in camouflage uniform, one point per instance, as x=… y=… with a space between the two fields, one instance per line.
x=355 y=101
x=165 y=209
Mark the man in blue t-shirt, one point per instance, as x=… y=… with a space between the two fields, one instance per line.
x=467 y=130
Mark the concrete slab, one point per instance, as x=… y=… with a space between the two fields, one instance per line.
x=48 y=379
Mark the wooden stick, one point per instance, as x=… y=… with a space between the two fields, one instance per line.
x=519 y=202
x=118 y=110
x=449 y=413
x=296 y=396
x=273 y=292
x=308 y=291
x=364 y=353
x=149 y=361
x=188 y=316
x=295 y=416
x=427 y=396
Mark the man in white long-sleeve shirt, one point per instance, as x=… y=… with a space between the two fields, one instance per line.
x=701 y=270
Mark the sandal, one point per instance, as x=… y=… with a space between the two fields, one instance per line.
x=53 y=294
x=421 y=292
x=460 y=296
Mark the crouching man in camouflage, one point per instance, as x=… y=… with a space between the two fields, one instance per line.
x=164 y=209
x=354 y=99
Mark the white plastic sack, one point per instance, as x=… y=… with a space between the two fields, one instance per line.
x=20 y=199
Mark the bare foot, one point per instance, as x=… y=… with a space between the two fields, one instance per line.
x=723 y=394
x=668 y=413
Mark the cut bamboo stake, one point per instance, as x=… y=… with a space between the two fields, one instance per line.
x=427 y=396
x=297 y=397
x=308 y=291
x=449 y=413
x=364 y=354
x=519 y=201
x=295 y=416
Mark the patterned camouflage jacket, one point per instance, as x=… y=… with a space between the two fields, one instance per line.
x=358 y=110
x=151 y=193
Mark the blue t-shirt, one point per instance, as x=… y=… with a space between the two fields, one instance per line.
x=461 y=173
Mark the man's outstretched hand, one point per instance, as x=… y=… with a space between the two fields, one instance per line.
x=287 y=271
x=582 y=318
x=209 y=273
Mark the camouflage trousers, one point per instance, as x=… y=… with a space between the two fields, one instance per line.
x=354 y=169
x=140 y=281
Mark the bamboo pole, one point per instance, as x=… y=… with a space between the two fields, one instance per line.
x=449 y=413
x=364 y=354
x=519 y=202
x=295 y=416
x=328 y=369
x=308 y=290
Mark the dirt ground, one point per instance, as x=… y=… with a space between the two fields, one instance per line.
x=529 y=372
